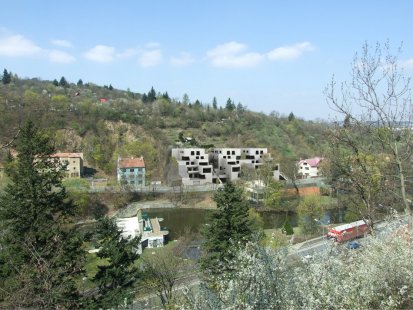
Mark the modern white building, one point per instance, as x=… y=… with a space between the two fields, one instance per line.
x=219 y=165
x=309 y=168
x=226 y=163
x=193 y=165
x=150 y=230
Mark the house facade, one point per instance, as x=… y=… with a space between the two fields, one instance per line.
x=73 y=162
x=131 y=170
x=309 y=168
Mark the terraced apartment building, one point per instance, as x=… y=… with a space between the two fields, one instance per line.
x=197 y=166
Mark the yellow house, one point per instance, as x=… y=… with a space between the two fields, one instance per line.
x=74 y=162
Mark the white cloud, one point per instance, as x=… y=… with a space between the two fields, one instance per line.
x=184 y=59
x=62 y=43
x=231 y=55
x=61 y=57
x=129 y=52
x=18 y=45
x=101 y=53
x=150 y=58
x=290 y=52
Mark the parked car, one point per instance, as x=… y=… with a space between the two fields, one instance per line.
x=353 y=245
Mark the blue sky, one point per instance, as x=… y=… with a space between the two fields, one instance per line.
x=268 y=55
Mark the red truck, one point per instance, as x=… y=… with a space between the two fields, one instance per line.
x=348 y=231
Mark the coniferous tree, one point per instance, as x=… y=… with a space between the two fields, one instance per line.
x=230 y=106
x=63 y=82
x=185 y=99
x=166 y=96
x=80 y=82
x=41 y=256
x=6 y=78
x=110 y=87
x=118 y=275
x=55 y=82
x=229 y=227
x=197 y=104
x=152 y=95
x=214 y=103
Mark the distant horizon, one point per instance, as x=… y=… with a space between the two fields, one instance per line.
x=270 y=56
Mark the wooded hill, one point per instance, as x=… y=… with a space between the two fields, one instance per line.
x=104 y=122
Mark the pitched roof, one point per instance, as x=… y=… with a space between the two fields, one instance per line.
x=131 y=162
x=313 y=162
x=69 y=155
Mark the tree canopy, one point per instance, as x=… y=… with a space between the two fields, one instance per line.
x=229 y=227
x=41 y=255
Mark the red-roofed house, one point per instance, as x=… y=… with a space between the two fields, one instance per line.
x=309 y=168
x=74 y=161
x=132 y=170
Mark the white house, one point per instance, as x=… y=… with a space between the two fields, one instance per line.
x=150 y=230
x=309 y=168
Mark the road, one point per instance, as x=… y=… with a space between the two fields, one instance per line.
x=320 y=244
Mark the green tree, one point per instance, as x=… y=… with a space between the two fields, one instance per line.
x=197 y=104
x=291 y=117
x=55 y=82
x=230 y=106
x=41 y=256
x=309 y=210
x=185 y=99
x=63 y=82
x=6 y=78
x=80 y=82
x=214 y=103
x=166 y=96
x=287 y=228
x=229 y=227
x=273 y=195
x=118 y=273
x=151 y=95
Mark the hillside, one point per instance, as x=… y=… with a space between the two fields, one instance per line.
x=103 y=122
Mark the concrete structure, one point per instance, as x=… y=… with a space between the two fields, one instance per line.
x=150 y=230
x=219 y=165
x=193 y=165
x=73 y=162
x=309 y=168
x=132 y=170
x=227 y=162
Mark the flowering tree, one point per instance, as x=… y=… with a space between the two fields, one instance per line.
x=377 y=276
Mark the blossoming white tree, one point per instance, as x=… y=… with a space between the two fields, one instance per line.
x=377 y=276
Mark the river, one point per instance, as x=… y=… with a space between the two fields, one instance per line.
x=179 y=220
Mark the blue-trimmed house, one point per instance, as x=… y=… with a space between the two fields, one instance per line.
x=131 y=170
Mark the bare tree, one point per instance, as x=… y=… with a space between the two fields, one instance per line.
x=376 y=106
x=163 y=269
